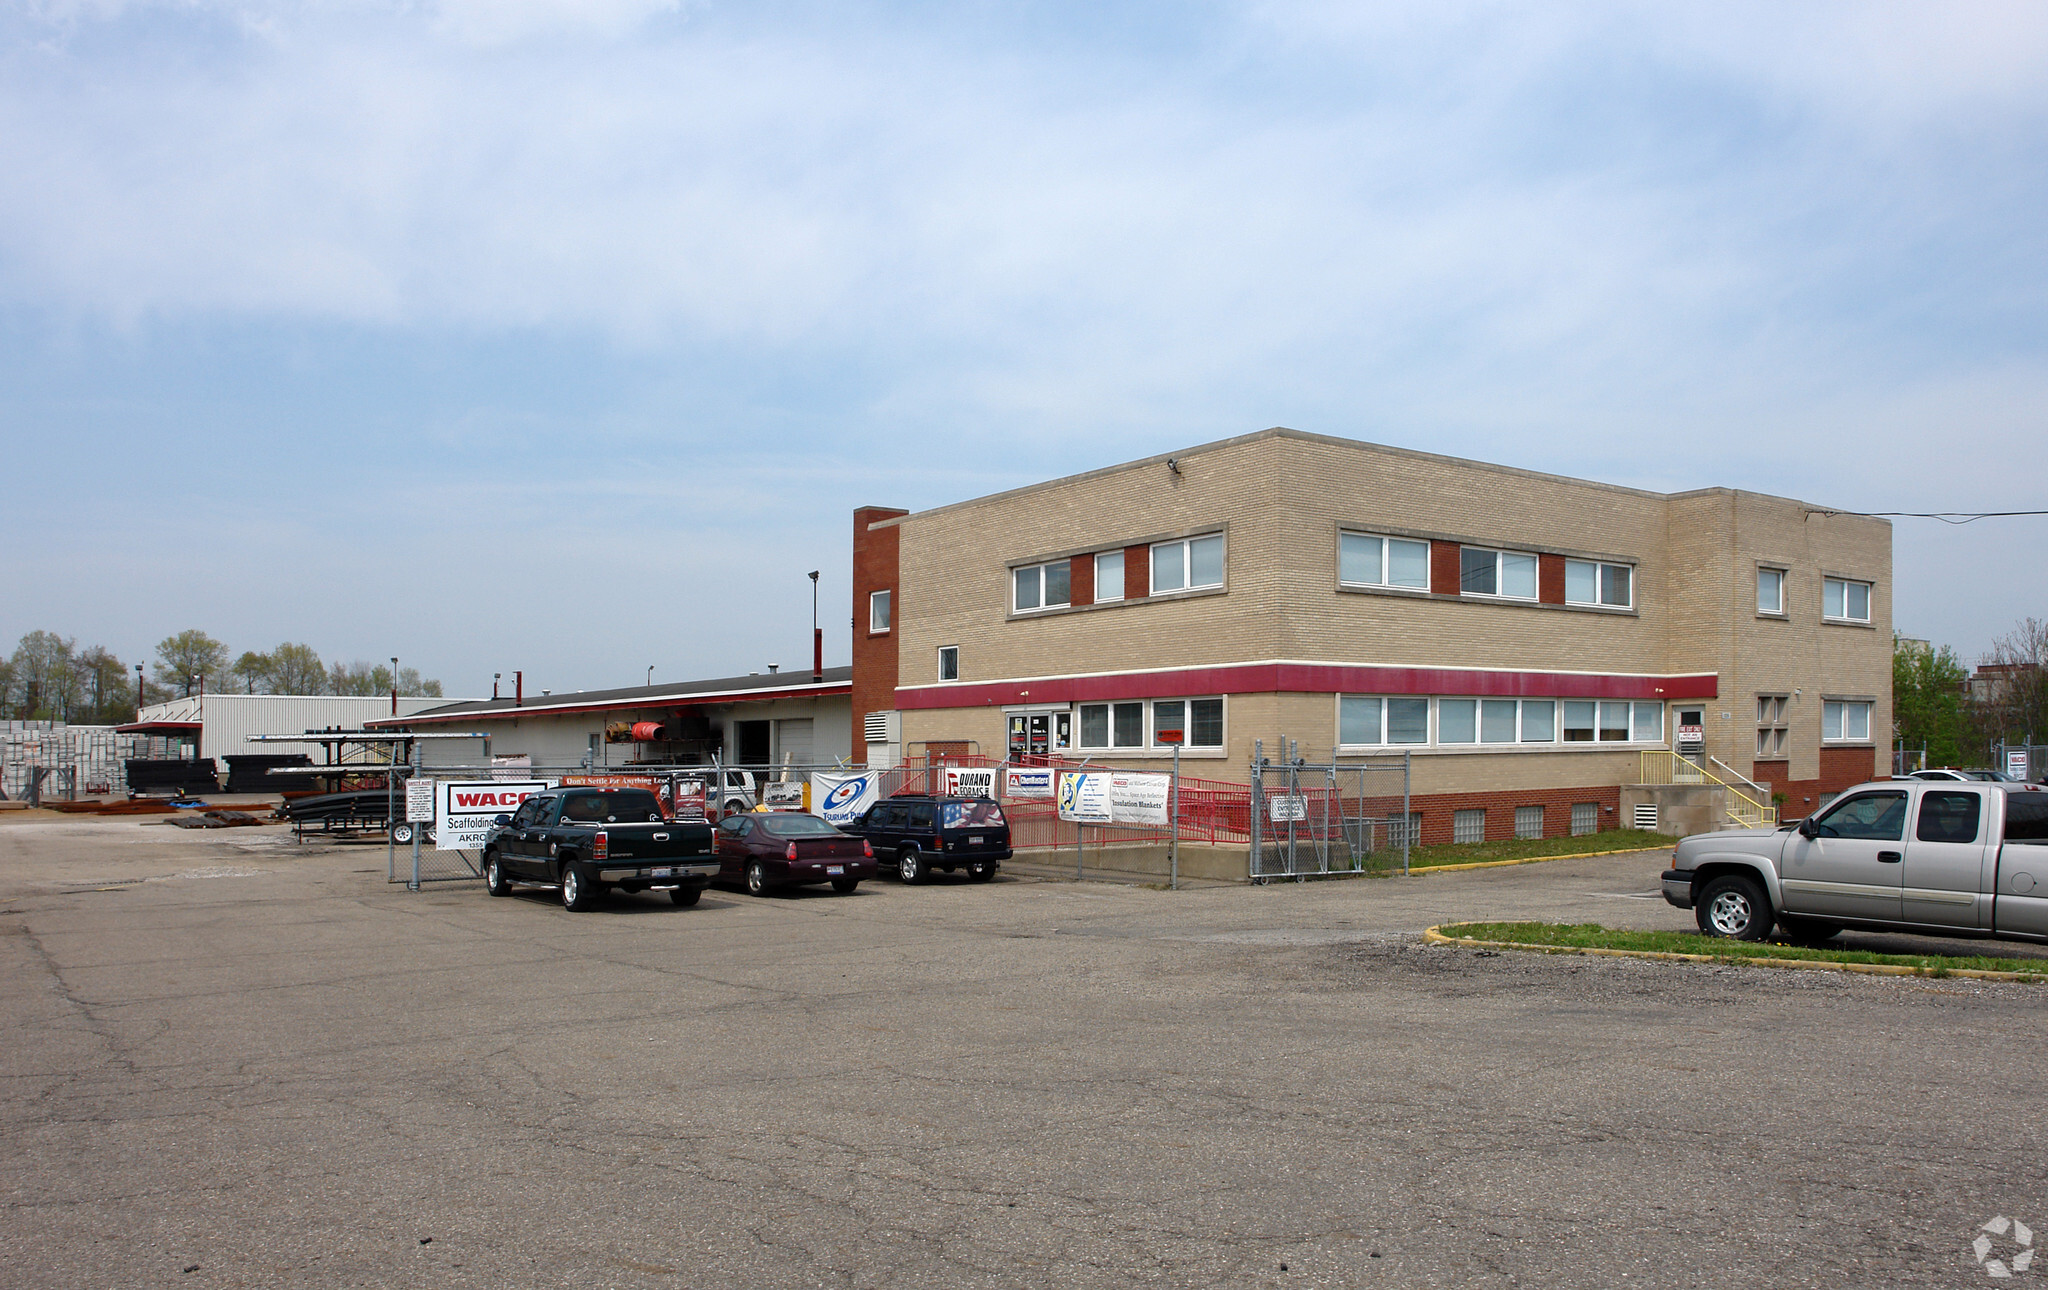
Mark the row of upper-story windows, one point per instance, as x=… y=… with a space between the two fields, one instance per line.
x=1842 y=600
x=1377 y=561
x=1394 y=721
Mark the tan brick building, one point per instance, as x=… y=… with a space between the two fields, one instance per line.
x=1525 y=636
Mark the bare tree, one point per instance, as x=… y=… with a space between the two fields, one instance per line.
x=253 y=671
x=103 y=679
x=2012 y=686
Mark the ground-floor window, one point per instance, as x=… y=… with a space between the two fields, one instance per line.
x=1468 y=826
x=1153 y=725
x=1845 y=722
x=1585 y=818
x=1391 y=721
x=1528 y=821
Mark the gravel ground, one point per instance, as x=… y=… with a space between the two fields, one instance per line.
x=261 y=1063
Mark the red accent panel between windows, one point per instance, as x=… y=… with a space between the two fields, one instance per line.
x=1443 y=568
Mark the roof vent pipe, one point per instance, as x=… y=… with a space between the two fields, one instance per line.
x=518 y=689
x=773 y=668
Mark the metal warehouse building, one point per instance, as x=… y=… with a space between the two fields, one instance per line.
x=1539 y=644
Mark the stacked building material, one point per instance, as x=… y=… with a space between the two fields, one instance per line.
x=250 y=773
x=173 y=776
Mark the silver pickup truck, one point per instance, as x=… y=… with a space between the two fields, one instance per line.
x=1927 y=856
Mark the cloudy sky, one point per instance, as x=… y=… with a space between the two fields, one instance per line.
x=565 y=334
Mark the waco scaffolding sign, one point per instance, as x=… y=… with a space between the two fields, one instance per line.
x=464 y=809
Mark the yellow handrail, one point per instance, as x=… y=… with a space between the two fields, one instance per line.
x=1662 y=766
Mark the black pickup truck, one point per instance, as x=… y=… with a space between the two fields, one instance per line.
x=585 y=841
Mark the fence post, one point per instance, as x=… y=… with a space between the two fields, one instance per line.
x=1173 y=817
x=1407 y=818
x=1257 y=778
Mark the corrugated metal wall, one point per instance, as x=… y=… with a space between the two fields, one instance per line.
x=230 y=719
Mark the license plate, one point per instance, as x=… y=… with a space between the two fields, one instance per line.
x=664 y=873
x=835 y=868
x=975 y=842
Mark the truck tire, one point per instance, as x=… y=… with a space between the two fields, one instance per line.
x=1733 y=907
x=1808 y=931
x=910 y=866
x=757 y=879
x=578 y=892
x=981 y=872
x=735 y=807
x=494 y=876
x=402 y=834
x=685 y=895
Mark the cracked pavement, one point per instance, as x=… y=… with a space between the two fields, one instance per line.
x=262 y=1063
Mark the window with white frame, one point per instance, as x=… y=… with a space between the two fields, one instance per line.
x=1496 y=721
x=1845 y=721
x=1109 y=576
x=1771 y=725
x=949 y=662
x=1135 y=724
x=1189 y=564
x=1770 y=591
x=1371 y=721
x=1040 y=586
x=1610 y=721
x=1589 y=582
x=1508 y=574
x=1367 y=561
x=878 y=611
x=1844 y=600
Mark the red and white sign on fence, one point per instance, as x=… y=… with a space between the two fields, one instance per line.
x=465 y=809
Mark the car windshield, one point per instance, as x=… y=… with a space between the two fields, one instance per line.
x=797 y=826
x=625 y=805
x=973 y=815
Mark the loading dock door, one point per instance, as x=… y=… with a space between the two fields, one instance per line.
x=752 y=738
x=793 y=741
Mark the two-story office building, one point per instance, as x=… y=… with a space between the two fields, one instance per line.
x=1525 y=636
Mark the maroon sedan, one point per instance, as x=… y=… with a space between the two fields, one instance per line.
x=787 y=849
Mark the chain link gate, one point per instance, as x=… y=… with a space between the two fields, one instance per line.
x=1330 y=817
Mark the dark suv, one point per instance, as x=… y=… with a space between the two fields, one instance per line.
x=921 y=833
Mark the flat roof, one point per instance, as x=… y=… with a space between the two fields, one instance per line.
x=758 y=688
x=1304 y=436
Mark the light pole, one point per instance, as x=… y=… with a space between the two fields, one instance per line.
x=138 y=691
x=394 y=686
x=817 y=635
x=650 y=674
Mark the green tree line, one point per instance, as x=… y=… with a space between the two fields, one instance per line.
x=49 y=678
x=1937 y=705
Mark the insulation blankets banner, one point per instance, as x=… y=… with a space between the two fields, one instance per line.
x=1139 y=799
x=841 y=799
x=662 y=786
x=464 y=809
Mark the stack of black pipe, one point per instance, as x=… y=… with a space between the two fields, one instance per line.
x=172 y=776
x=250 y=773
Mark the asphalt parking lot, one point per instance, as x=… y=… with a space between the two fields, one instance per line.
x=235 y=1061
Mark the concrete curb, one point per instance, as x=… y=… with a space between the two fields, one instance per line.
x=1502 y=864
x=1435 y=937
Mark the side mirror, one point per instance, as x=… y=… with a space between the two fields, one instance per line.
x=501 y=820
x=1808 y=828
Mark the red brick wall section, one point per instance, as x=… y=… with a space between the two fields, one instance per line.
x=1840 y=768
x=1137 y=572
x=1437 y=810
x=1444 y=577
x=875 y=558
x=1081 y=578
x=1550 y=579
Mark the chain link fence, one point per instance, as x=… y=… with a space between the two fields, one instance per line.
x=1316 y=819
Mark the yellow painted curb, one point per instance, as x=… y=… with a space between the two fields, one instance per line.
x=1501 y=864
x=1435 y=937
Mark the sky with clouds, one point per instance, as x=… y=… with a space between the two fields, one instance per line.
x=361 y=323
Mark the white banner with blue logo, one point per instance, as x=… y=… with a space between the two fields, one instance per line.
x=842 y=798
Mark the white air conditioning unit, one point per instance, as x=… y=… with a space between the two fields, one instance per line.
x=883 y=733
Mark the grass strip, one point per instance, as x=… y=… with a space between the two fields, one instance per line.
x=1594 y=936
x=1533 y=848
